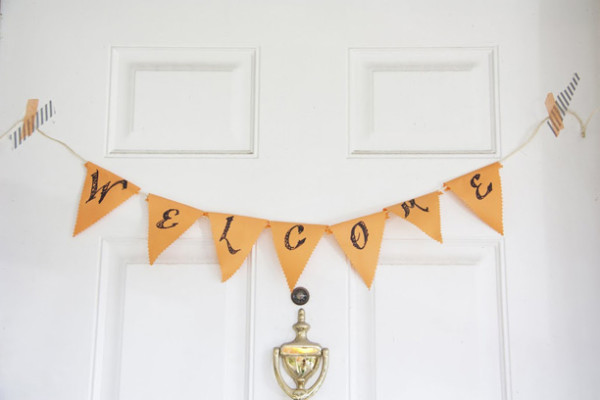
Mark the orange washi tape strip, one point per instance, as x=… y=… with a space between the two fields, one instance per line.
x=29 y=120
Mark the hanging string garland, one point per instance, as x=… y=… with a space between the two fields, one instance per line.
x=235 y=235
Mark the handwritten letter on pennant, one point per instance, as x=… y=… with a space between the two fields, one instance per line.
x=424 y=212
x=360 y=239
x=167 y=220
x=294 y=244
x=481 y=190
x=102 y=192
x=234 y=237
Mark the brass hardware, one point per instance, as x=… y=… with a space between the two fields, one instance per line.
x=300 y=296
x=301 y=359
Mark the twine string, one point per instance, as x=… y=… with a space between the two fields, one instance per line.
x=539 y=126
x=535 y=132
x=64 y=144
x=76 y=154
x=582 y=124
x=12 y=128
x=587 y=122
x=525 y=143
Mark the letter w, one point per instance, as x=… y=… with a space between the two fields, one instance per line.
x=104 y=189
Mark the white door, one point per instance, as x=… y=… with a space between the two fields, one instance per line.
x=310 y=111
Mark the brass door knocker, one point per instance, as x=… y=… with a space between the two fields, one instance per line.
x=301 y=359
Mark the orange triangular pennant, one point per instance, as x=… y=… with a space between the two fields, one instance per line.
x=167 y=220
x=234 y=237
x=424 y=212
x=294 y=244
x=102 y=192
x=481 y=190
x=360 y=239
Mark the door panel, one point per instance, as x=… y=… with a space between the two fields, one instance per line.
x=423 y=101
x=436 y=315
x=314 y=111
x=171 y=329
x=204 y=98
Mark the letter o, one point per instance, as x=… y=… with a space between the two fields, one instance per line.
x=354 y=237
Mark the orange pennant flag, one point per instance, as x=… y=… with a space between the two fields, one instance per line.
x=234 y=237
x=360 y=239
x=167 y=220
x=102 y=192
x=424 y=212
x=294 y=244
x=481 y=190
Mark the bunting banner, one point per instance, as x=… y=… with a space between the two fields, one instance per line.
x=102 y=192
x=234 y=236
x=423 y=212
x=360 y=239
x=481 y=191
x=167 y=220
x=295 y=244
